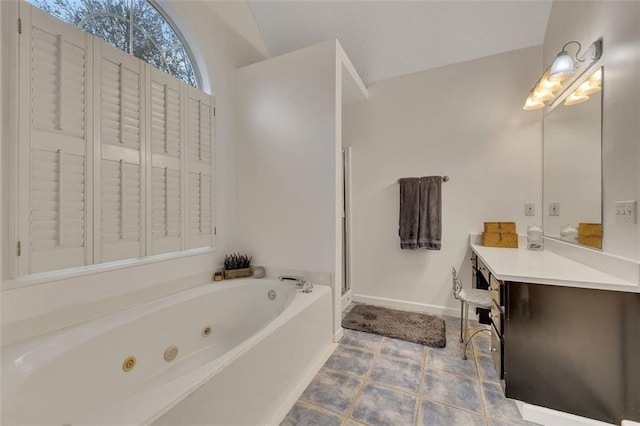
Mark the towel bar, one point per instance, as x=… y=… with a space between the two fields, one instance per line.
x=444 y=179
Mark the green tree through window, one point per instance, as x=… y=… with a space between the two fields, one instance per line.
x=135 y=26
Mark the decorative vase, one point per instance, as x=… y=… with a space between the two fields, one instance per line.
x=237 y=273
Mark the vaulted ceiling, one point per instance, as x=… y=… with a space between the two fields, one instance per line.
x=386 y=39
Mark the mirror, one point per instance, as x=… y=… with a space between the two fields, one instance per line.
x=572 y=166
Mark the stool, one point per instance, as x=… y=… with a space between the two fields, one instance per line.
x=469 y=297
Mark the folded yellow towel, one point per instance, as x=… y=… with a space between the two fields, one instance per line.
x=500 y=239
x=500 y=227
x=590 y=229
x=590 y=240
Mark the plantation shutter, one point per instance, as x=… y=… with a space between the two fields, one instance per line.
x=200 y=187
x=166 y=186
x=55 y=60
x=115 y=158
x=120 y=214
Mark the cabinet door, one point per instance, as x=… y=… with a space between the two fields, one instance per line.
x=566 y=349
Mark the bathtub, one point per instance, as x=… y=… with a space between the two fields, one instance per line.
x=242 y=358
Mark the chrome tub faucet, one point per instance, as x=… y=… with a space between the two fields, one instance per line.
x=307 y=287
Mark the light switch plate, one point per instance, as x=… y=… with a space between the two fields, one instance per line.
x=554 y=209
x=625 y=212
x=529 y=208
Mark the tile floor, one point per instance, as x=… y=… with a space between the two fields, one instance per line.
x=375 y=380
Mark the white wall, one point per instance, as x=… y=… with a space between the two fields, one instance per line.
x=618 y=23
x=286 y=159
x=222 y=39
x=465 y=121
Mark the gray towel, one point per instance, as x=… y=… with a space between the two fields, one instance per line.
x=409 y=213
x=430 y=223
x=420 y=213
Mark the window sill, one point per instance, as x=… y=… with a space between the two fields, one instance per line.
x=53 y=276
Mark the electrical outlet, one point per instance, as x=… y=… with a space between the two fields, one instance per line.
x=554 y=209
x=625 y=212
x=529 y=209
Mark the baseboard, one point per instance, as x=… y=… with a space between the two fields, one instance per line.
x=347 y=298
x=297 y=391
x=549 y=417
x=407 y=306
x=338 y=335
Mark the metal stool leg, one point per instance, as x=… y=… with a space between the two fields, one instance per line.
x=466 y=332
x=461 y=319
x=464 y=350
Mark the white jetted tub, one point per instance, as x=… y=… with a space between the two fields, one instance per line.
x=242 y=358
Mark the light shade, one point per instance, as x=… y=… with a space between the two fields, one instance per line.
x=532 y=103
x=547 y=84
x=575 y=99
x=543 y=95
x=588 y=88
x=596 y=76
x=562 y=67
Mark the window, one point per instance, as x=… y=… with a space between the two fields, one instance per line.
x=135 y=26
x=115 y=157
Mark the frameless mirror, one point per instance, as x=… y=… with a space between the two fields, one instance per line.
x=572 y=175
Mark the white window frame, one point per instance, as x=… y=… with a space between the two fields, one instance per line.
x=18 y=228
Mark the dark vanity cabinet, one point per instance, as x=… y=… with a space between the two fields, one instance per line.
x=572 y=349
x=564 y=347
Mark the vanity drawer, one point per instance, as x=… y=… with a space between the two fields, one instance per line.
x=496 y=288
x=483 y=269
x=497 y=350
x=474 y=260
x=496 y=318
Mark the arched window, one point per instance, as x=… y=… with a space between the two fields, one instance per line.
x=135 y=26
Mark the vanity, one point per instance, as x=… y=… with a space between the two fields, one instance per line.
x=564 y=335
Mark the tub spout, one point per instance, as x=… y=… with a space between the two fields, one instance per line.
x=307 y=287
x=298 y=280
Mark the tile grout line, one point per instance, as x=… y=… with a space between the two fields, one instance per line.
x=474 y=351
x=375 y=382
x=423 y=371
x=455 y=407
x=484 y=400
x=320 y=408
x=365 y=379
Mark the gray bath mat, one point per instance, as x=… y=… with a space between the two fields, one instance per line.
x=410 y=326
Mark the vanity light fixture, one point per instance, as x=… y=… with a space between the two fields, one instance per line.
x=550 y=84
x=563 y=66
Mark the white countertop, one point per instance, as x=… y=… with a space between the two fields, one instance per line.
x=545 y=267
